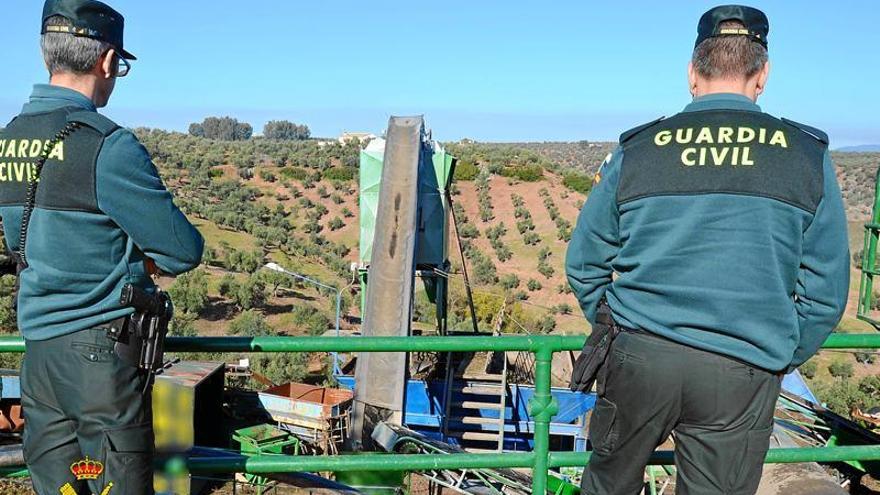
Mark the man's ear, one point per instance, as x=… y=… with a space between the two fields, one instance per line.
x=763 y=75
x=107 y=70
x=692 y=79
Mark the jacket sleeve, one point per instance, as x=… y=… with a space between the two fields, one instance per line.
x=131 y=193
x=823 y=280
x=595 y=240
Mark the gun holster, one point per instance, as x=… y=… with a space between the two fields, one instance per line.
x=140 y=341
x=595 y=351
x=129 y=339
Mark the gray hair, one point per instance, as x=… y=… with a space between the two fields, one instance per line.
x=729 y=57
x=65 y=52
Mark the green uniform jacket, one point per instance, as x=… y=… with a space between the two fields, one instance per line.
x=79 y=261
x=737 y=269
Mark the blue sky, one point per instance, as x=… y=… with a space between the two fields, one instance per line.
x=485 y=69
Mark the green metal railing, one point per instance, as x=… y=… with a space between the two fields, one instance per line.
x=869 y=260
x=542 y=406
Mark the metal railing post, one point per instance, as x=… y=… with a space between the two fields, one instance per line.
x=869 y=260
x=542 y=408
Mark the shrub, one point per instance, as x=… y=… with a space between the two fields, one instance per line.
x=503 y=253
x=533 y=285
x=469 y=231
x=525 y=173
x=509 y=281
x=294 y=173
x=525 y=225
x=245 y=295
x=563 y=289
x=545 y=269
x=531 y=238
x=250 y=323
x=484 y=269
x=546 y=324
x=466 y=171
x=243 y=261
x=341 y=174
x=842 y=395
x=182 y=325
x=809 y=369
x=840 y=369
x=543 y=254
x=189 y=292
x=496 y=232
x=227 y=282
x=563 y=233
x=563 y=309
x=246 y=173
x=267 y=175
x=578 y=181
x=336 y=223
x=281 y=367
x=310 y=319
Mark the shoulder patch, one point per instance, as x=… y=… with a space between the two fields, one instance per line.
x=821 y=136
x=598 y=177
x=635 y=130
x=94 y=120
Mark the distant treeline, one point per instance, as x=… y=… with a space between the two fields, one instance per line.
x=230 y=129
x=193 y=153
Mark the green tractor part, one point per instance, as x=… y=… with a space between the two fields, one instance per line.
x=374 y=482
x=261 y=440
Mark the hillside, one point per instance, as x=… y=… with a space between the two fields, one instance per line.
x=295 y=203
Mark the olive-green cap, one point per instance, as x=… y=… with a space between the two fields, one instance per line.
x=90 y=19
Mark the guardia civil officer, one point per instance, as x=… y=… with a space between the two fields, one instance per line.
x=718 y=239
x=101 y=213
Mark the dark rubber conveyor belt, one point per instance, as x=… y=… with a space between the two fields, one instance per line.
x=381 y=376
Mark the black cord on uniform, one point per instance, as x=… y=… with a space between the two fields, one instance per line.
x=31 y=196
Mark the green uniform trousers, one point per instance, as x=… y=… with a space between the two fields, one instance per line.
x=718 y=410
x=79 y=400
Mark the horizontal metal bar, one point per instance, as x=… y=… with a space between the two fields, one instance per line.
x=774 y=456
x=356 y=344
x=14 y=472
x=264 y=464
x=852 y=341
x=531 y=343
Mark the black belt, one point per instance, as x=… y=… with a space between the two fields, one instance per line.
x=639 y=331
